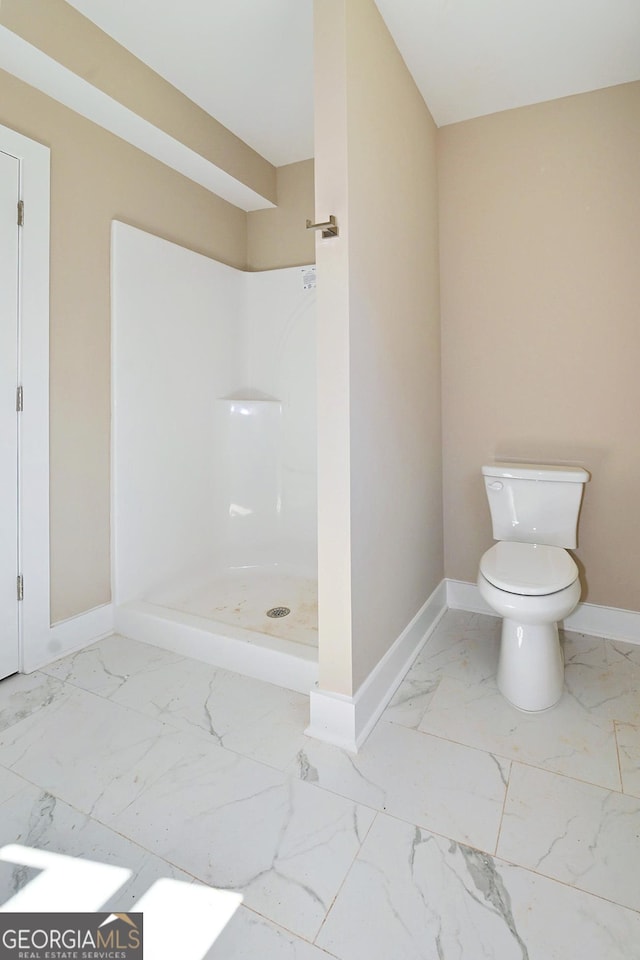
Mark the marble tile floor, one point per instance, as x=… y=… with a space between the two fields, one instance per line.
x=463 y=829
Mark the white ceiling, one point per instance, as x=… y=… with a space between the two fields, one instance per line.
x=249 y=63
x=474 y=57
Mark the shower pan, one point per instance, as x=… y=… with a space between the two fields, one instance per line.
x=213 y=459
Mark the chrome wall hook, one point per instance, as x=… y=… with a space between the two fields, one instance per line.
x=329 y=229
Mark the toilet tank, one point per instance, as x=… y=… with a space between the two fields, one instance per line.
x=535 y=503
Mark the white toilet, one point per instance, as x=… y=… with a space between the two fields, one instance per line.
x=528 y=577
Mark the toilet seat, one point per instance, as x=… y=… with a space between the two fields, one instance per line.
x=528 y=569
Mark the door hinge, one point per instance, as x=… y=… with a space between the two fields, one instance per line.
x=21 y=213
x=19 y=400
x=20 y=586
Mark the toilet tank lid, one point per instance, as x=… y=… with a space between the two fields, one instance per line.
x=537 y=471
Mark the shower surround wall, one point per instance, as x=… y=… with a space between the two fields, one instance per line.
x=213 y=458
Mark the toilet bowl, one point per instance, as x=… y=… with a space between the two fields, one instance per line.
x=531 y=666
x=528 y=578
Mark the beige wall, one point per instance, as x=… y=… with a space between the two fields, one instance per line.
x=333 y=350
x=278 y=237
x=540 y=245
x=379 y=343
x=96 y=177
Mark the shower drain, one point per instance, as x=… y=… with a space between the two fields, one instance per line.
x=276 y=612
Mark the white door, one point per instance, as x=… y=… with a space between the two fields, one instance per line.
x=9 y=195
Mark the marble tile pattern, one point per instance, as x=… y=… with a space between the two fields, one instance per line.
x=604 y=678
x=415 y=895
x=444 y=786
x=628 y=738
x=258 y=719
x=463 y=828
x=585 y=748
x=589 y=837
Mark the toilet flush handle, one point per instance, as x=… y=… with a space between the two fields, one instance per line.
x=495 y=485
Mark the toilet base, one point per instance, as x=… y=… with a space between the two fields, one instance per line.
x=531 y=665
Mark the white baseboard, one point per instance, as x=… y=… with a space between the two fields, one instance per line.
x=69 y=636
x=466 y=596
x=610 y=623
x=236 y=649
x=347 y=721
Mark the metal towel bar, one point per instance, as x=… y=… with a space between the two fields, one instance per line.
x=329 y=229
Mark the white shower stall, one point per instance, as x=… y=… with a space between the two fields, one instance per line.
x=214 y=514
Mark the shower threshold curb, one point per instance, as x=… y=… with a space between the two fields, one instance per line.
x=284 y=663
